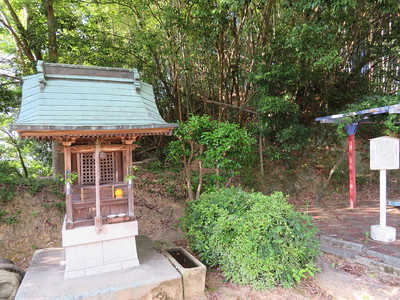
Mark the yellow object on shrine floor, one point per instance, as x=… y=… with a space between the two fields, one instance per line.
x=119 y=193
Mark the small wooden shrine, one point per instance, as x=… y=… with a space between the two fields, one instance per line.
x=96 y=114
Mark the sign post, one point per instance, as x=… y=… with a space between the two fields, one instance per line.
x=384 y=155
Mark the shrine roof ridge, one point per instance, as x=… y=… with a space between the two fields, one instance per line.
x=56 y=70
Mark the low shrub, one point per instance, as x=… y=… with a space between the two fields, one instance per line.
x=256 y=239
x=9 y=218
x=8 y=182
x=7 y=192
x=35 y=185
x=9 y=187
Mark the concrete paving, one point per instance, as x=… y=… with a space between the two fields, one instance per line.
x=346 y=232
x=343 y=285
x=155 y=278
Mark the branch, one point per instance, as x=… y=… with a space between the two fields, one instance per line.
x=244 y=104
x=10 y=83
x=231 y=106
x=326 y=183
x=15 y=78
x=21 y=40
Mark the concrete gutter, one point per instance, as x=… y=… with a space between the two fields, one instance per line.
x=360 y=254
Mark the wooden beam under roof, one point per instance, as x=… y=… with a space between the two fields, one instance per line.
x=67 y=134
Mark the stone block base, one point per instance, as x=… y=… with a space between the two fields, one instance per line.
x=383 y=234
x=88 y=253
x=155 y=278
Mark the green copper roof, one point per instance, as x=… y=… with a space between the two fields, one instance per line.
x=71 y=97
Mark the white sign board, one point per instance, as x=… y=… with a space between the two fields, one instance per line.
x=384 y=153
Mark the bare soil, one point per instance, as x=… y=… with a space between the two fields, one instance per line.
x=159 y=204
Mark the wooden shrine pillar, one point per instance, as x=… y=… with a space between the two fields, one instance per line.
x=98 y=222
x=68 y=183
x=131 y=204
x=127 y=159
x=351 y=131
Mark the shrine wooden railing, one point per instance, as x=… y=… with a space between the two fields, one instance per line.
x=81 y=203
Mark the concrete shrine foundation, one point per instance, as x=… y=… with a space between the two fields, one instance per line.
x=89 y=253
x=155 y=278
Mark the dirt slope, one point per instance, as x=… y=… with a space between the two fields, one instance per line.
x=34 y=222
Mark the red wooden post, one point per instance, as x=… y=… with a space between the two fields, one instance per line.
x=351 y=131
x=352 y=170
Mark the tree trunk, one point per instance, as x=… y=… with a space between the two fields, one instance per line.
x=326 y=183
x=19 y=33
x=261 y=153
x=187 y=162
x=200 y=184
x=51 y=31
x=21 y=160
x=188 y=173
x=217 y=175
x=57 y=160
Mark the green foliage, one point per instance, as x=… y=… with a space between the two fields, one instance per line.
x=226 y=146
x=37 y=185
x=7 y=192
x=24 y=156
x=41 y=153
x=8 y=99
x=8 y=218
x=8 y=171
x=256 y=239
x=60 y=206
x=291 y=61
x=281 y=126
x=385 y=124
x=34 y=185
x=70 y=177
x=214 y=145
x=9 y=177
x=188 y=133
x=131 y=173
x=155 y=166
x=10 y=184
x=304 y=72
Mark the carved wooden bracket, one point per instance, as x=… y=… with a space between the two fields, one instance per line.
x=67 y=141
x=129 y=140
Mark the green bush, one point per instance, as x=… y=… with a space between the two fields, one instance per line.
x=7 y=192
x=256 y=239
x=9 y=218
x=212 y=152
x=35 y=185
x=8 y=181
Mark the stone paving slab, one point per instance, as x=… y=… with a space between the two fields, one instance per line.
x=346 y=232
x=155 y=278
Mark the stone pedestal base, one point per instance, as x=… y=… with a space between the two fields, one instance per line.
x=155 y=278
x=89 y=253
x=383 y=234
